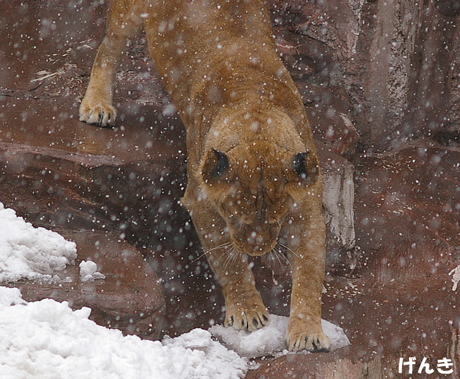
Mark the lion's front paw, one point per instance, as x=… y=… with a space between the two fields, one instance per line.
x=249 y=314
x=306 y=336
x=101 y=114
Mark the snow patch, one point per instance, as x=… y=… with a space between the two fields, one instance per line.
x=10 y=296
x=88 y=272
x=46 y=339
x=270 y=340
x=27 y=252
x=455 y=277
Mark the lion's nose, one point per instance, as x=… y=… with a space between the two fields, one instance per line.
x=255 y=238
x=261 y=241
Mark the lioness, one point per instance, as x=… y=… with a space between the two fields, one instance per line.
x=254 y=183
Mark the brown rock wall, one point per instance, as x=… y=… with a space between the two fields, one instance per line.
x=389 y=66
x=408 y=210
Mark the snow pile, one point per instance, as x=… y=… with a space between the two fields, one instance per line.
x=30 y=253
x=270 y=339
x=88 y=272
x=46 y=339
x=10 y=296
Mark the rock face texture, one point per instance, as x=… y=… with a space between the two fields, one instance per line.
x=390 y=67
x=409 y=207
x=380 y=82
x=338 y=205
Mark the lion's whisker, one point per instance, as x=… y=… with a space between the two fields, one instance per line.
x=285 y=258
x=222 y=246
x=199 y=257
x=280 y=257
x=232 y=255
x=227 y=257
x=288 y=249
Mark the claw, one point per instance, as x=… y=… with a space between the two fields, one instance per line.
x=250 y=319
x=101 y=114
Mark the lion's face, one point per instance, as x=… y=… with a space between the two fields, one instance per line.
x=254 y=189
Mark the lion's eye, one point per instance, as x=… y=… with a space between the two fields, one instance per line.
x=216 y=164
x=221 y=164
x=300 y=164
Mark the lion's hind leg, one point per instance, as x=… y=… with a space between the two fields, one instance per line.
x=123 y=22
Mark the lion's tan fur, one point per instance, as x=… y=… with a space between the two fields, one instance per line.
x=246 y=125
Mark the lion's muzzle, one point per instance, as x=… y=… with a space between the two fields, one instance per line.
x=256 y=240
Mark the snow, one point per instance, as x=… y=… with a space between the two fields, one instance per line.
x=455 y=277
x=88 y=272
x=47 y=339
x=27 y=252
x=270 y=340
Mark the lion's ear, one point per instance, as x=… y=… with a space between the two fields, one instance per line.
x=306 y=166
x=215 y=166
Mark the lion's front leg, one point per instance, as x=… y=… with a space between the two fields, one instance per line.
x=244 y=306
x=304 y=330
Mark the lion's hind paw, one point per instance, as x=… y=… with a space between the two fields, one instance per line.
x=100 y=114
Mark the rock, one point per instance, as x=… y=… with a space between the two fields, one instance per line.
x=384 y=322
x=338 y=202
x=326 y=102
x=129 y=298
x=67 y=173
x=449 y=8
x=66 y=176
x=391 y=68
x=335 y=130
x=407 y=210
x=319 y=366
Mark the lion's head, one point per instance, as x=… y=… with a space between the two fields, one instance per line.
x=254 y=187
